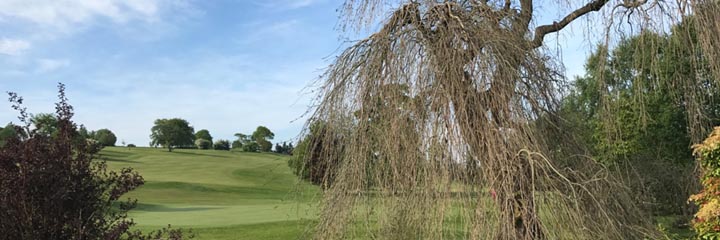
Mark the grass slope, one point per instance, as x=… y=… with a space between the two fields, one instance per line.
x=219 y=194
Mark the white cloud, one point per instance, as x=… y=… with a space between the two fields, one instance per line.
x=287 y=4
x=13 y=47
x=65 y=15
x=49 y=65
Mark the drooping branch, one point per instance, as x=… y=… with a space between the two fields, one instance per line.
x=543 y=30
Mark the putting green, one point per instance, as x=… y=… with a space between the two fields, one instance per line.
x=219 y=194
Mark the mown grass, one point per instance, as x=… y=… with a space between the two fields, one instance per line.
x=219 y=194
x=236 y=195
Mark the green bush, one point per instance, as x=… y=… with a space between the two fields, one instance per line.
x=222 y=145
x=707 y=218
x=203 y=143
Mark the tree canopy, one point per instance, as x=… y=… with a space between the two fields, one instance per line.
x=204 y=134
x=486 y=95
x=172 y=133
x=105 y=137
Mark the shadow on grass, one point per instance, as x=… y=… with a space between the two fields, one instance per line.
x=108 y=159
x=177 y=151
x=146 y=207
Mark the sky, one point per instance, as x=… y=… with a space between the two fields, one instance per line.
x=226 y=66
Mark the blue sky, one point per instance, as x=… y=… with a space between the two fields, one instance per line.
x=225 y=66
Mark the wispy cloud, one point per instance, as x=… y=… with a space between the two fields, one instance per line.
x=49 y=65
x=288 y=4
x=13 y=47
x=71 y=15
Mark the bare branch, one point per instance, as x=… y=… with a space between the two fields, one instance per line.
x=543 y=30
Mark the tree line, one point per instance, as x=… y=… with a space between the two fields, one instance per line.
x=178 y=133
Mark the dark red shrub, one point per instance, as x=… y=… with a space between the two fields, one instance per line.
x=51 y=188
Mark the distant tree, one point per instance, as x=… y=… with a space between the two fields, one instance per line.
x=53 y=188
x=250 y=147
x=262 y=137
x=285 y=148
x=308 y=161
x=45 y=124
x=222 y=145
x=105 y=137
x=237 y=144
x=204 y=134
x=202 y=143
x=263 y=132
x=172 y=133
x=9 y=131
x=131 y=145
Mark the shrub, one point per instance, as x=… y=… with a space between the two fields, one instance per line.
x=51 y=188
x=222 y=145
x=105 y=137
x=250 y=147
x=203 y=143
x=707 y=218
x=131 y=145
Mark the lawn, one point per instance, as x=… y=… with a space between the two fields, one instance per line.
x=219 y=194
x=229 y=195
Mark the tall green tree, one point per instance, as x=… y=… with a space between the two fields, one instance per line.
x=262 y=137
x=7 y=132
x=649 y=125
x=204 y=134
x=105 y=137
x=45 y=124
x=171 y=133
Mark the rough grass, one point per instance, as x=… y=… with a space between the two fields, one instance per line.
x=219 y=194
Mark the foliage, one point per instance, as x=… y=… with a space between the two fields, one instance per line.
x=172 y=133
x=204 y=134
x=250 y=147
x=9 y=131
x=105 y=137
x=222 y=145
x=130 y=145
x=707 y=218
x=242 y=140
x=285 y=148
x=262 y=137
x=45 y=124
x=307 y=161
x=625 y=110
x=237 y=144
x=50 y=187
x=202 y=143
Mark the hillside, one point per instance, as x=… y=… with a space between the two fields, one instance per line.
x=219 y=194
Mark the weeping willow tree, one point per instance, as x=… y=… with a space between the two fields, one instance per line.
x=443 y=124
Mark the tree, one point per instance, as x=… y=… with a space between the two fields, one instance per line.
x=172 y=133
x=250 y=147
x=242 y=140
x=45 y=123
x=52 y=188
x=481 y=80
x=655 y=134
x=202 y=143
x=237 y=144
x=9 y=131
x=262 y=137
x=105 y=137
x=204 y=134
x=307 y=161
x=222 y=145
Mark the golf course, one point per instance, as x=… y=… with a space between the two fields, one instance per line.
x=217 y=194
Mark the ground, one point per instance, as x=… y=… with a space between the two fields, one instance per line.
x=232 y=195
x=218 y=194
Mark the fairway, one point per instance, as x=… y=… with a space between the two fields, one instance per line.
x=219 y=194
